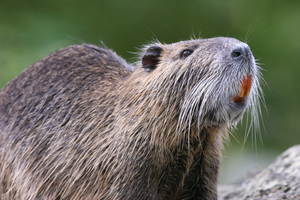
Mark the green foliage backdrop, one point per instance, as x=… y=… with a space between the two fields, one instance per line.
x=31 y=29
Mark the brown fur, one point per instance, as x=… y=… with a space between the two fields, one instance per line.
x=82 y=124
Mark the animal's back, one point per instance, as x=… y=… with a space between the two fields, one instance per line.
x=51 y=94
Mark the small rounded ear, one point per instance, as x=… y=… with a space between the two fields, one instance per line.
x=151 y=58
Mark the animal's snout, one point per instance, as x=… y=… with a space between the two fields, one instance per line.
x=240 y=52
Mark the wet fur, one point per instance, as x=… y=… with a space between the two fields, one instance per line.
x=83 y=124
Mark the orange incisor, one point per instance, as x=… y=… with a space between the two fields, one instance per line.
x=244 y=89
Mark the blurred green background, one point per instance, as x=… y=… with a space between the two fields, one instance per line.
x=31 y=29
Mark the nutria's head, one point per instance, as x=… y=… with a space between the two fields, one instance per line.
x=207 y=82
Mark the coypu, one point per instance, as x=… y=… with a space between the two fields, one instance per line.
x=82 y=123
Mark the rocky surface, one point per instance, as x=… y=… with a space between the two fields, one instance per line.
x=280 y=180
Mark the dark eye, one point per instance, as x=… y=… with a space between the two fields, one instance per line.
x=186 y=53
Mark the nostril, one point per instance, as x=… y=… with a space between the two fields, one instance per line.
x=237 y=53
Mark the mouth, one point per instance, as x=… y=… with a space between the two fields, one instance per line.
x=245 y=88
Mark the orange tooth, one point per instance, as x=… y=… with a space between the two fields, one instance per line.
x=248 y=85
x=244 y=89
x=245 y=86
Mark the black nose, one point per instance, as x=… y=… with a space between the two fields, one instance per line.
x=240 y=53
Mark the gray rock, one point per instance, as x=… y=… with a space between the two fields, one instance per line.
x=280 y=180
